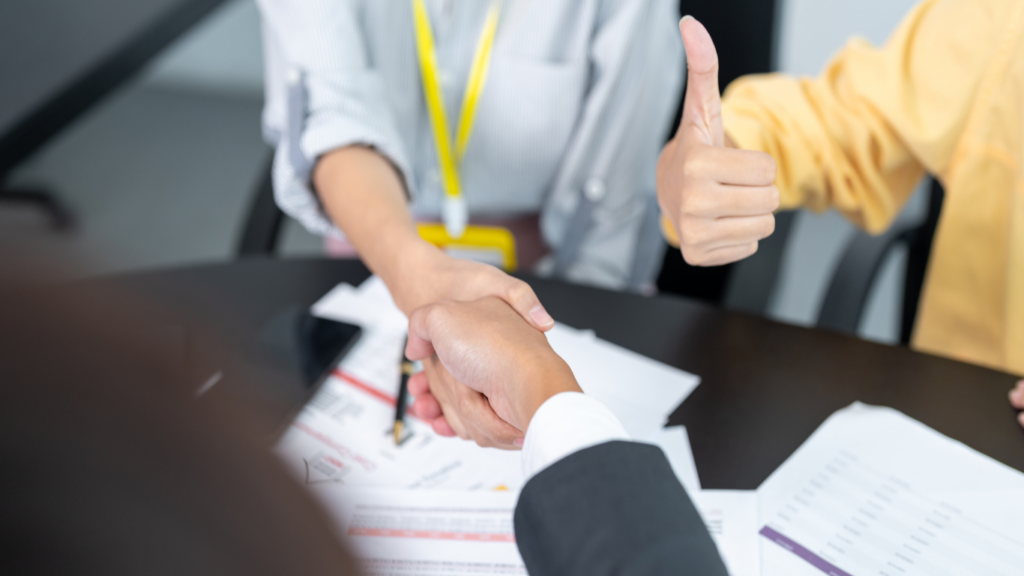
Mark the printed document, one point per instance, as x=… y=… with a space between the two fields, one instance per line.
x=731 y=518
x=344 y=435
x=873 y=492
x=402 y=532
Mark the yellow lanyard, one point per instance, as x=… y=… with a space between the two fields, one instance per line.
x=456 y=215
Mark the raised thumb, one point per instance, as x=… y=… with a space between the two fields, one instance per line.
x=702 y=112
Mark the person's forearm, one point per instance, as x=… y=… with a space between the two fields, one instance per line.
x=363 y=194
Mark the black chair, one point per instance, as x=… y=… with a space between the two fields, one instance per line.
x=263 y=225
x=848 y=292
x=60 y=216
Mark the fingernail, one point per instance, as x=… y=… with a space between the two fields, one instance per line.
x=518 y=442
x=685 y=18
x=541 y=317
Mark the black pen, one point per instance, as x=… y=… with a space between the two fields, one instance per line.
x=403 y=391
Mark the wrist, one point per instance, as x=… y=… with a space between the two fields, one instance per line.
x=410 y=274
x=543 y=381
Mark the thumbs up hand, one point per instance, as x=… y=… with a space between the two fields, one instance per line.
x=719 y=199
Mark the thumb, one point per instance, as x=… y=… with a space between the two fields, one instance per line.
x=702 y=112
x=523 y=300
x=419 y=345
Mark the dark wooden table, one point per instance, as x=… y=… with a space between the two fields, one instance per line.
x=766 y=386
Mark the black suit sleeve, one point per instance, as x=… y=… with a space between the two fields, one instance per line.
x=612 y=509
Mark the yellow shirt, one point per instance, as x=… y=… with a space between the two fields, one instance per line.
x=945 y=96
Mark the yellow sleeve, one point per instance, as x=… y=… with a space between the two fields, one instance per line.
x=859 y=137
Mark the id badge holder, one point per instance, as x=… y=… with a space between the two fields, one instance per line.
x=492 y=245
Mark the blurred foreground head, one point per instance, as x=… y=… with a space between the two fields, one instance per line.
x=109 y=466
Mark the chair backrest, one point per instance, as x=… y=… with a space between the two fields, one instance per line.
x=859 y=268
x=918 y=254
x=261 y=231
x=752 y=281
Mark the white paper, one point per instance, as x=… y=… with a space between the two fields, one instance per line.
x=343 y=437
x=675 y=443
x=401 y=532
x=875 y=492
x=731 y=518
x=369 y=306
x=642 y=393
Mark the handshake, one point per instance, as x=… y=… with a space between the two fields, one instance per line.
x=486 y=371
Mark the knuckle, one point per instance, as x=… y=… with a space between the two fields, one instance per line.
x=689 y=233
x=518 y=291
x=437 y=313
x=767 y=168
x=774 y=199
x=695 y=165
x=694 y=257
x=687 y=237
x=693 y=203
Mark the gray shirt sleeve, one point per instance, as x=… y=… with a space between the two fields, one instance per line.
x=637 y=68
x=342 y=99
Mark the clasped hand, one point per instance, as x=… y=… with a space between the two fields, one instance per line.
x=486 y=371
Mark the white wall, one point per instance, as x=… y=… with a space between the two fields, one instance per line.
x=811 y=31
x=223 y=54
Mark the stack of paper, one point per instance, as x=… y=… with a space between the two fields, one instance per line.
x=873 y=492
x=401 y=506
x=342 y=436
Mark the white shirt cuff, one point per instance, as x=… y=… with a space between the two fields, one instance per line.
x=565 y=424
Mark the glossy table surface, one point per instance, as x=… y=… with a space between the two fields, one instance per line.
x=765 y=387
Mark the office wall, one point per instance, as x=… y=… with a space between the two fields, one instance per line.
x=223 y=55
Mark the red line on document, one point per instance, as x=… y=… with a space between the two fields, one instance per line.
x=359 y=384
x=432 y=535
x=386 y=398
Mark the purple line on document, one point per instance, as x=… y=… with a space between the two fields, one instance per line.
x=812 y=558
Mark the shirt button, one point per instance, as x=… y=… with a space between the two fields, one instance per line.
x=594 y=189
